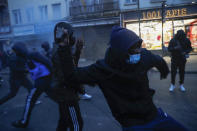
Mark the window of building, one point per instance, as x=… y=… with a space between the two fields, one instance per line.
x=56 y=11
x=43 y=13
x=131 y=1
x=17 y=16
x=30 y=14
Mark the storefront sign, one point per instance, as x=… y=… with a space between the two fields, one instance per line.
x=168 y=13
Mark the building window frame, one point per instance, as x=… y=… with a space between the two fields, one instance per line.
x=56 y=15
x=16 y=13
x=30 y=14
x=43 y=10
x=130 y=2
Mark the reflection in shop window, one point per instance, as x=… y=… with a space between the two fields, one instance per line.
x=151 y=32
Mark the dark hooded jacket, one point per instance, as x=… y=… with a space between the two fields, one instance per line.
x=60 y=90
x=125 y=86
x=180 y=38
x=17 y=61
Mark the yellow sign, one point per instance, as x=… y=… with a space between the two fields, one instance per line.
x=169 y=13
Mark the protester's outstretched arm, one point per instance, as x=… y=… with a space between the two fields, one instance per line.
x=161 y=65
x=72 y=74
x=76 y=56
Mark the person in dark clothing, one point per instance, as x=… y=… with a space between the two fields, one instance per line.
x=40 y=69
x=48 y=52
x=122 y=77
x=18 y=72
x=180 y=47
x=62 y=93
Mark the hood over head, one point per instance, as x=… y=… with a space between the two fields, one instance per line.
x=20 y=49
x=63 y=25
x=121 y=40
x=180 y=35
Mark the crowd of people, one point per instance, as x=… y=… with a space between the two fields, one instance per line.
x=121 y=75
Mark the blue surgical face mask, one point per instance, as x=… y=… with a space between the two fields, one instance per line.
x=133 y=59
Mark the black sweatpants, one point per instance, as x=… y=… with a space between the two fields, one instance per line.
x=15 y=84
x=180 y=65
x=70 y=117
x=41 y=85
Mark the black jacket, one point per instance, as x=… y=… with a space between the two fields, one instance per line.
x=60 y=90
x=179 y=54
x=17 y=66
x=125 y=87
x=17 y=61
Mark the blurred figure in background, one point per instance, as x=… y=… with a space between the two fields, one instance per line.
x=76 y=51
x=47 y=50
x=40 y=69
x=18 y=71
x=179 y=47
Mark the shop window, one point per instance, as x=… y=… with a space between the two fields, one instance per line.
x=17 y=16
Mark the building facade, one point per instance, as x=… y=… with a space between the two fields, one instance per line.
x=93 y=20
x=146 y=19
x=5 y=28
x=33 y=22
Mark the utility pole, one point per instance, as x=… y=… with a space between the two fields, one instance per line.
x=138 y=7
x=162 y=21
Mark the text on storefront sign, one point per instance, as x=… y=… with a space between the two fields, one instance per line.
x=168 y=13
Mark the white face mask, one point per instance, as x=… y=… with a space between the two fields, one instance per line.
x=134 y=59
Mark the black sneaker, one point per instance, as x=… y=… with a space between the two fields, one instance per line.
x=19 y=124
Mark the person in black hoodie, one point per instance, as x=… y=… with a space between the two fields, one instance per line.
x=40 y=68
x=65 y=95
x=122 y=77
x=180 y=47
x=18 y=71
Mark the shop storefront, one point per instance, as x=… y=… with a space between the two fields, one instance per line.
x=150 y=27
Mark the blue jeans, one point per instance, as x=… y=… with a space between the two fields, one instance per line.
x=162 y=122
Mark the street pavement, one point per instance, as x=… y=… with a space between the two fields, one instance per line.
x=95 y=112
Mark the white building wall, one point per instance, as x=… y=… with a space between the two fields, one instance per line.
x=24 y=4
x=147 y=4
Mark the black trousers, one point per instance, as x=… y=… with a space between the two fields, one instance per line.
x=40 y=86
x=180 y=65
x=15 y=84
x=70 y=117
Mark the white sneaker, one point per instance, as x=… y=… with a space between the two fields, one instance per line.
x=182 y=88
x=85 y=97
x=171 y=88
x=38 y=102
